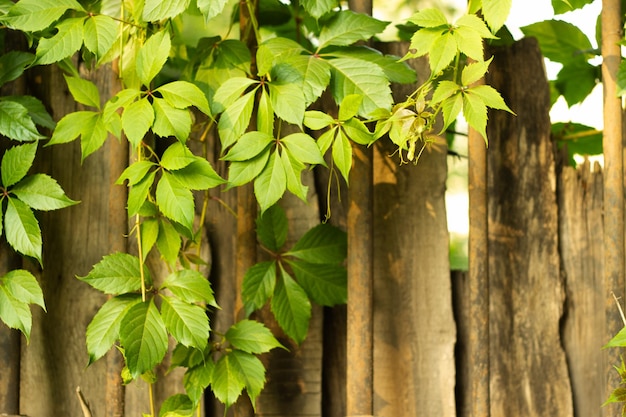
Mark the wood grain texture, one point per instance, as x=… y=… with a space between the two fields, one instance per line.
x=414 y=329
x=580 y=234
x=75 y=238
x=529 y=374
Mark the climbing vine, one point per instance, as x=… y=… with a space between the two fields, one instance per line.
x=244 y=91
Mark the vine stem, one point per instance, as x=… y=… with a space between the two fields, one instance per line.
x=139 y=248
x=151 y=394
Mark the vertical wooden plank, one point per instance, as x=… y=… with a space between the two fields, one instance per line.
x=529 y=374
x=613 y=189
x=359 y=350
x=414 y=329
x=580 y=236
x=75 y=238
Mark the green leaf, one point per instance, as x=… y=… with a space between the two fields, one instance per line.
x=117 y=273
x=291 y=307
x=323 y=244
x=276 y=50
x=190 y=286
x=63 y=44
x=489 y=96
x=258 y=285
x=143 y=337
x=228 y=381
x=22 y=229
x=83 y=91
x=476 y=24
x=153 y=54
x=617 y=396
x=93 y=136
x=250 y=145
x=422 y=42
x=137 y=119
x=71 y=126
x=475 y=113
x=230 y=91
x=41 y=192
x=177 y=156
x=187 y=323
x=327 y=138
x=429 y=18
x=170 y=121
x=577 y=79
x=199 y=175
x=211 y=8
x=149 y=229
x=155 y=10
x=36 y=15
x=293 y=170
x=175 y=201
x=14 y=313
x=252 y=337
x=182 y=94
x=16 y=123
x=318 y=8
x=104 y=328
x=442 y=52
x=469 y=42
x=474 y=72
x=354 y=76
x=235 y=119
x=265 y=114
x=288 y=102
x=317 y=120
x=23 y=286
x=559 y=41
x=138 y=193
x=342 y=155
x=496 y=13
x=36 y=110
x=168 y=242
x=100 y=32
x=349 y=106
x=16 y=162
x=356 y=131
x=136 y=172
x=395 y=71
x=451 y=107
x=272 y=228
x=178 y=405
x=197 y=379
x=240 y=173
x=121 y=100
x=348 y=27
x=325 y=284
x=563 y=6
x=13 y=64
x=315 y=73
x=303 y=148
x=271 y=183
x=252 y=370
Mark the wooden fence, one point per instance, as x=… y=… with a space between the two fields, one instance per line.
x=543 y=258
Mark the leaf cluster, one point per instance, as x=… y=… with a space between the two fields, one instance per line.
x=311 y=270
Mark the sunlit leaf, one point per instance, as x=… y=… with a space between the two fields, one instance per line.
x=36 y=15
x=348 y=27
x=137 y=119
x=63 y=44
x=100 y=32
x=153 y=55
x=42 y=192
x=14 y=313
x=16 y=123
x=190 y=286
x=252 y=337
x=168 y=242
x=182 y=94
x=170 y=121
x=23 y=286
x=271 y=183
x=155 y=10
x=249 y=146
x=175 y=201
